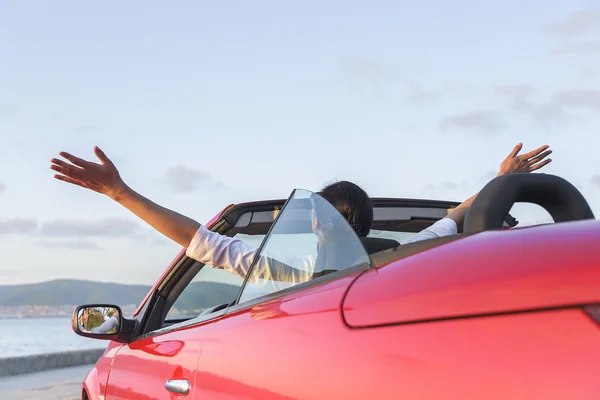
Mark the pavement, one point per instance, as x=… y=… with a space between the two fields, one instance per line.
x=56 y=384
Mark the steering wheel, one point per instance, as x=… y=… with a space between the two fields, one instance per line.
x=557 y=196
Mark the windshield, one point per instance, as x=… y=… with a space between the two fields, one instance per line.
x=309 y=239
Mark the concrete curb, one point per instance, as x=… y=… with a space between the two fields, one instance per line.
x=42 y=362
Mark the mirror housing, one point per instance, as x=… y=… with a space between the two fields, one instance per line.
x=101 y=321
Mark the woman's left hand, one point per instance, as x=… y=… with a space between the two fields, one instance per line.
x=527 y=162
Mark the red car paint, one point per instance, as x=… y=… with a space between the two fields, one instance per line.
x=303 y=350
x=493 y=316
x=142 y=367
x=501 y=272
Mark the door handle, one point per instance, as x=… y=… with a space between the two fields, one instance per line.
x=179 y=386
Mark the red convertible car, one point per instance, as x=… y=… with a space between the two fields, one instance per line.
x=495 y=312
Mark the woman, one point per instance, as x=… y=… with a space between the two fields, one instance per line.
x=235 y=256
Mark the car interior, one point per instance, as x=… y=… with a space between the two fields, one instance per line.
x=490 y=210
x=255 y=219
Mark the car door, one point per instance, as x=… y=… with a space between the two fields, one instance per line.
x=285 y=344
x=160 y=362
x=170 y=342
x=155 y=367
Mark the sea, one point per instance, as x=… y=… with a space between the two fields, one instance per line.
x=28 y=336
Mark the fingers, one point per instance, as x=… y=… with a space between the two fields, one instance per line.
x=69 y=180
x=75 y=160
x=516 y=150
x=539 y=158
x=535 y=152
x=66 y=168
x=101 y=155
x=535 y=167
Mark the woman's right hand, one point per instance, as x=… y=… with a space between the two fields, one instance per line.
x=102 y=178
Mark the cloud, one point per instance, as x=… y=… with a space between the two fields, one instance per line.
x=2 y=187
x=578 y=48
x=545 y=112
x=595 y=181
x=71 y=244
x=577 y=98
x=77 y=230
x=553 y=110
x=107 y=227
x=479 y=121
x=520 y=100
x=182 y=179
x=18 y=226
x=577 y=23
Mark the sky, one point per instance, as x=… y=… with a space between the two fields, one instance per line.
x=202 y=104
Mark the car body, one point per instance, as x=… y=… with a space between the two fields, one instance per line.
x=491 y=313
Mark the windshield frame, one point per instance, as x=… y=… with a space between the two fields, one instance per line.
x=367 y=264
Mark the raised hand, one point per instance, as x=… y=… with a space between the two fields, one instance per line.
x=527 y=162
x=102 y=178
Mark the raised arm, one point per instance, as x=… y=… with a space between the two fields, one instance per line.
x=513 y=163
x=454 y=221
x=220 y=251
x=104 y=178
x=235 y=256
x=106 y=326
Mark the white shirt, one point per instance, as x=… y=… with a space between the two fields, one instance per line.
x=235 y=256
x=106 y=326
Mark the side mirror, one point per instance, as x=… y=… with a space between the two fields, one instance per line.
x=98 y=321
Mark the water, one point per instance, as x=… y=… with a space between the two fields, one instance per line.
x=20 y=337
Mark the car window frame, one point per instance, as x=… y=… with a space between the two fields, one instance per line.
x=180 y=325
x=152 y=312
x=159 y=300
x=171 y=302
x=183 y=324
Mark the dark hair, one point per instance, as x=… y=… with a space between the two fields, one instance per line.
x=353 y=203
